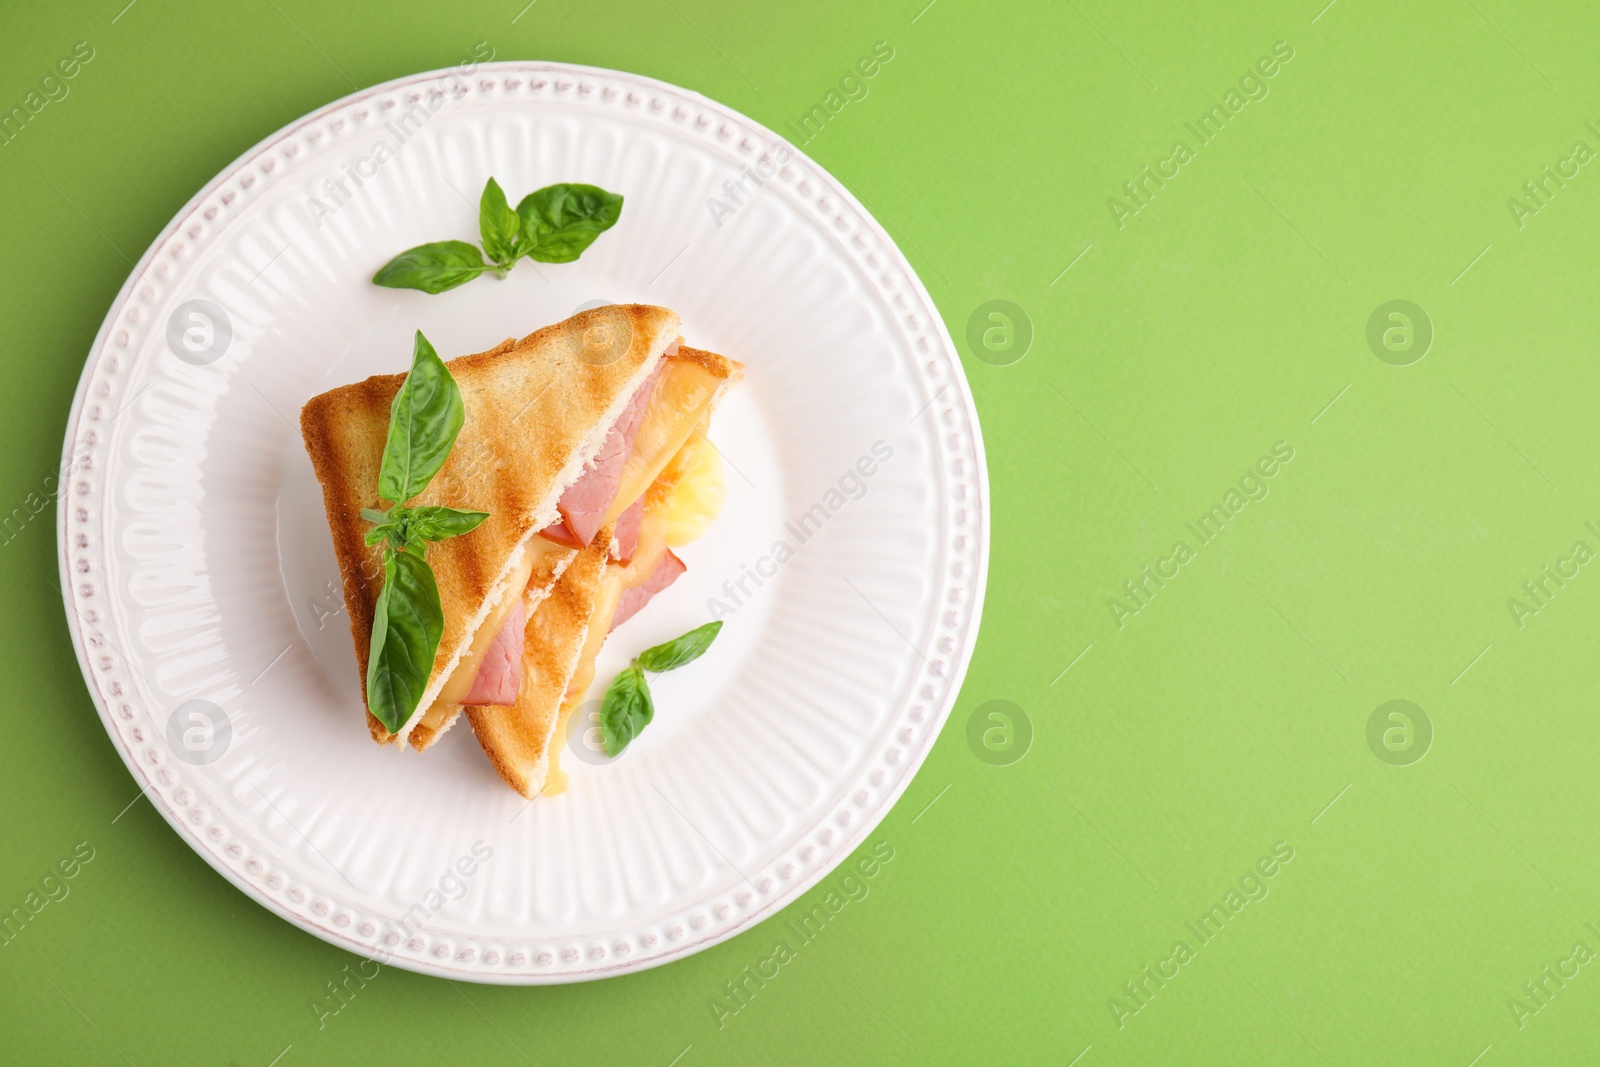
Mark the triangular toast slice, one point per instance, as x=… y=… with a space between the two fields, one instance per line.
x=537 y=410
x=517 y=738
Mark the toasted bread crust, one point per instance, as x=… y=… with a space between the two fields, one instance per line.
x=517 y=738
x=536 y=411
x=729 y=370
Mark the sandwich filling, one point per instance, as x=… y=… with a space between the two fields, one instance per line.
x=653 y=432
x=470 y=676
x=683 y=496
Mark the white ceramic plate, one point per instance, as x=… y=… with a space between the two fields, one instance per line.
x=202 y=593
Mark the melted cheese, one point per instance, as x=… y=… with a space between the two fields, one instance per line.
x=680 y=404
x=459 y=683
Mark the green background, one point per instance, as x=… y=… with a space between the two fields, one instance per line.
x=1228 y=715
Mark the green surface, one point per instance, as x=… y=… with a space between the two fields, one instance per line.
x=1229 y=714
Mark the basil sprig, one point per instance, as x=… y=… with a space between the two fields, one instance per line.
x=628 y=708
x=551 y=225
x=408 y=622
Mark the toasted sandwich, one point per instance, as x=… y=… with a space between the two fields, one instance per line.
x=668 y=493
x=539 y=412
x=585 y=444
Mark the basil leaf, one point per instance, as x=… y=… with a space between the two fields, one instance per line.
x=499 y=225
x=380 y=517
x=381 y=533
x=433 y=268
x=407 y=625
x=437 y=523
x=424 y=419
x=560 y=221
x=680 y=650
x=626 y=710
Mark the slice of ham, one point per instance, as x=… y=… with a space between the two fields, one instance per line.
x=632 y=600
x=627 y=533
x=583 y=505
x=500 y=674
x=559 y=534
